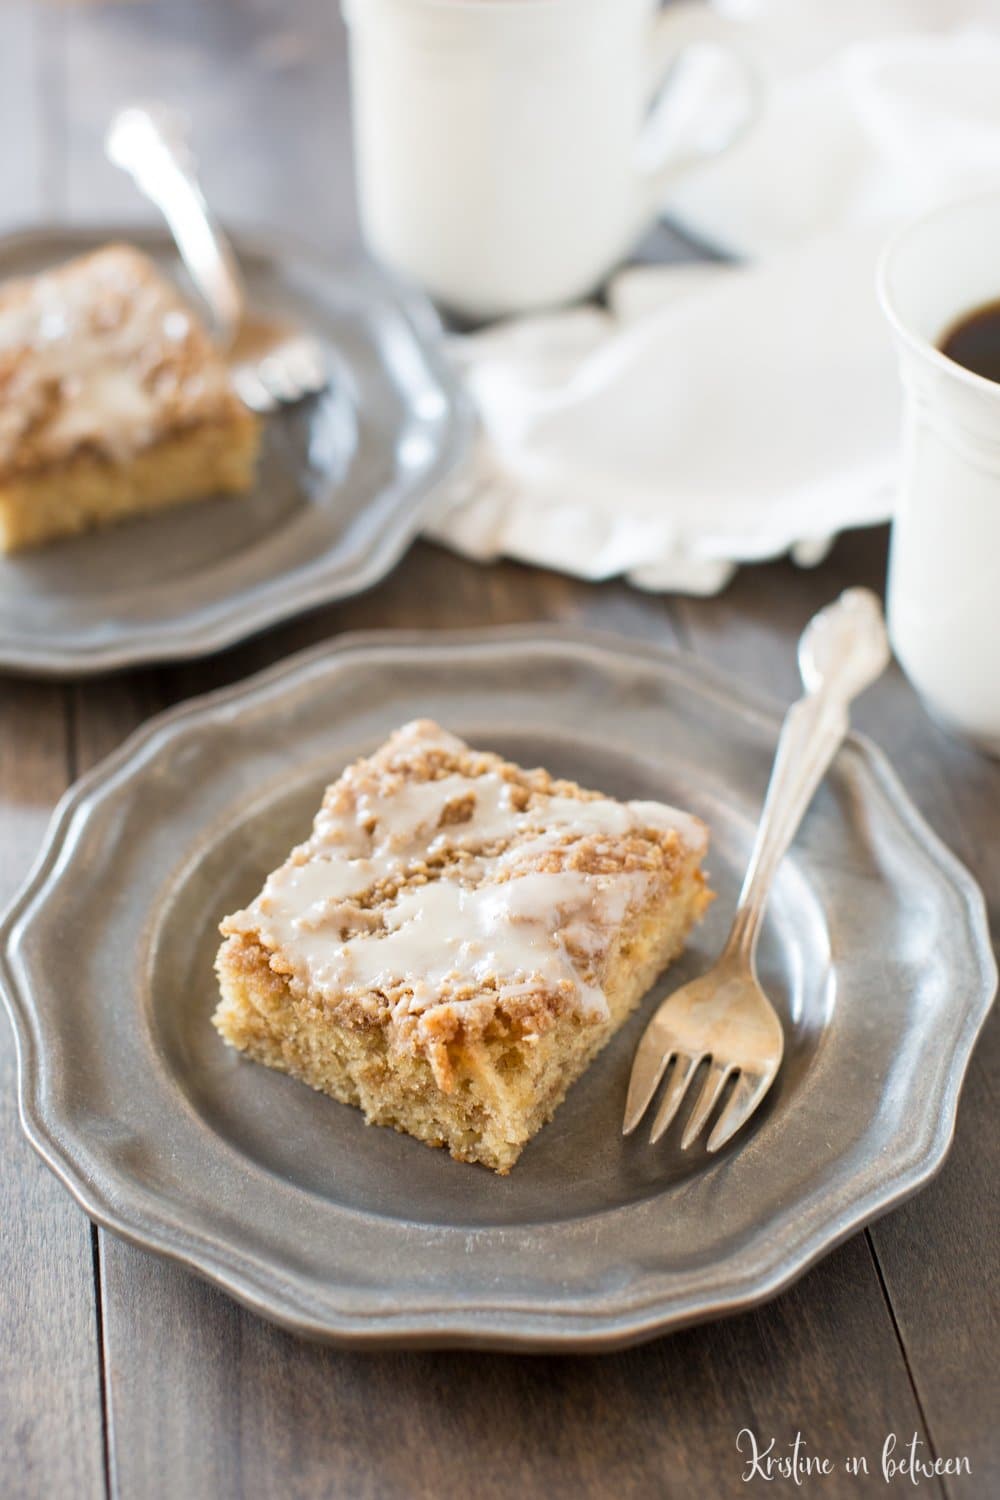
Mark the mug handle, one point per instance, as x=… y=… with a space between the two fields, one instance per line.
x=676 y=28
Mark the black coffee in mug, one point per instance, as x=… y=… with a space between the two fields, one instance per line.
x=974 y=341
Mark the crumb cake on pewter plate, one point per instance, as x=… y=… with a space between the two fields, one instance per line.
x=113 y=401
x=457 y=939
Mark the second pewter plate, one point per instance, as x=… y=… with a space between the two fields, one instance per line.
x=875 y=949
x=343 y=483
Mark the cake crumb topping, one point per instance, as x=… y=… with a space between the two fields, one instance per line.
x=442 y=886
x=102 y=354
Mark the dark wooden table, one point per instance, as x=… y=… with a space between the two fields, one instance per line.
x=123 y=1373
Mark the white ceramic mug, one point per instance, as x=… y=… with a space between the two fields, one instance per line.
x=499 y=143
x=944 y=568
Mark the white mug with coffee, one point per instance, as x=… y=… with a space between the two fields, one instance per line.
x=939 y=284
x=500 y=143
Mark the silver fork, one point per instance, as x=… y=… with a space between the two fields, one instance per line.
x=272 y=363
x=724 y=1018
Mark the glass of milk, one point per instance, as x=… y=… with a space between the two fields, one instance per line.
x=944 y=567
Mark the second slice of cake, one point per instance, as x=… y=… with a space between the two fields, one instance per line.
x=457 y=940
x=113 y=401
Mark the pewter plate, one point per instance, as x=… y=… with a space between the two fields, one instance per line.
x=875 y=950
x=343 y=483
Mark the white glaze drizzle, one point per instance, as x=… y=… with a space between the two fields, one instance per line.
x=86 y=354
x=491 y=916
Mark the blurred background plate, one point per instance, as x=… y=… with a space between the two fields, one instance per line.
x=343 y=484
x=875 y=951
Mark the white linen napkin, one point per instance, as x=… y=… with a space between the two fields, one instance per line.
x=716 y=415
x=870 y=133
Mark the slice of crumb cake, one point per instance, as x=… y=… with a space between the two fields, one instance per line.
x=113 y=400
x=457 y=939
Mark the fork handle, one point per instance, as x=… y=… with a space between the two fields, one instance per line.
x=813 y=731
x=842 y=651
x=149 y=142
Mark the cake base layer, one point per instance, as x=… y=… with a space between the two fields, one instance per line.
x=503 y=1087
x=210 y=459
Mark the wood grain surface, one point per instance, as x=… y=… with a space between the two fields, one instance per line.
x=123 y=1374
